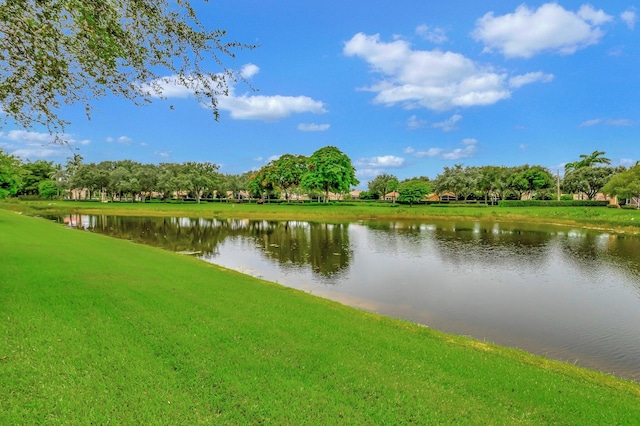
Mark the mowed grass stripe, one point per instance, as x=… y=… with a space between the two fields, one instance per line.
x=99 y=330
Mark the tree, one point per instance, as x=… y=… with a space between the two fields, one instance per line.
x=32 y=174
x=329 y=170
x=527 y=180
x=460 y=181
x=73 y=164
x=9 y=174
x=147 y=176
x=588 y=180
x=288 y=171
x=261 y=183
x=170 y=180
x=413 y=190
x=625 y=184
x=47 y=189
x=73 y=51
x=491 y=182
x=234 y=184
x=199 y=177
x=59 y=176
x=587 y=160
x=383 y=184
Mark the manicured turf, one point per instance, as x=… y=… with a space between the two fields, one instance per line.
x=99 y=330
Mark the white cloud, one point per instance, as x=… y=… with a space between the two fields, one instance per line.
x=41 y=152
x=629 y=17
x=249 y=70
x=125 y=140
x=268 y=108
x=616 y=51
x=449 y=124
x=431 y=152
x=627 y=162
x=590 y=123
x=528 y=78
x=469 y=149
x=30 y=145
x=550 y=28
x=595 y=17
x=382 y=162
x=312 y=127
x=163 y=154
x=367 y=174
x=25 y=136
x=414 y=122
x=607 y=122
x=243 y=107
x=435 y=35
x=432 y=79
x=619 y=122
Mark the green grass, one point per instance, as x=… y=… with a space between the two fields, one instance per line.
x=99 y=330
x=610 y=219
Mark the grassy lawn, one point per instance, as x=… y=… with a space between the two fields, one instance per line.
x=100 y=330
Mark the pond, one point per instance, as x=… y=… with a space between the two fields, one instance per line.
x=564 y=293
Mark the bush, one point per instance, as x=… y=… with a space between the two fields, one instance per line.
x=551 y=203
x=453 y=205
x=630 y=206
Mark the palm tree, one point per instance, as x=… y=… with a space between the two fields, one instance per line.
x=59 y=177
x=596 y=157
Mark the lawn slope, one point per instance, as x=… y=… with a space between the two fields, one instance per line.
x=99 y=330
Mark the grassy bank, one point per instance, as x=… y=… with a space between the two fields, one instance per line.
x=618 y=220
x=99 y=330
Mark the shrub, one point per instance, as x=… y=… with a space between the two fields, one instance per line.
x=551 y=203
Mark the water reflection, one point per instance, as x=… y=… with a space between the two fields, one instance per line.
x=568 y=294
x=324 y=247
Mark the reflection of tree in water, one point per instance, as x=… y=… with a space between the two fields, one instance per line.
x=323 y=246
x=589 y=252
x=175 y=234
x=490 y=244
x=464 y=244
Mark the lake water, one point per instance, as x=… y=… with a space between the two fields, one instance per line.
x=561 y=292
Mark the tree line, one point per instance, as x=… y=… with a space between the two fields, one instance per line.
x=327 y=171
x=586 y=177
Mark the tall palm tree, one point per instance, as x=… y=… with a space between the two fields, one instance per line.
x=587 y=160
x=59 y=177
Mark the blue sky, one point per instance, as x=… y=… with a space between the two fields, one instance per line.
x=404 y=87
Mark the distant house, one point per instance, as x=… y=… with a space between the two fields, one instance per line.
x=392 y=196
x=355 y=194
x=445 y=196
x=635 y=201
x=599 y=197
